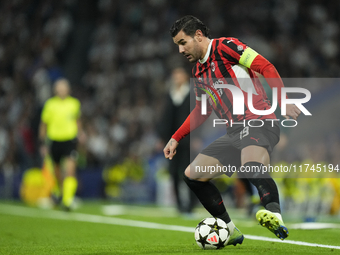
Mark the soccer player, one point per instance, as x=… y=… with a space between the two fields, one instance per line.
x=59 y=126
x=227 y=59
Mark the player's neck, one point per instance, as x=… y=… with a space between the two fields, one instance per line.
x=205 y=46
x=62 y=97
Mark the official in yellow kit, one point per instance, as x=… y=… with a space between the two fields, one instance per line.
x=60 y=126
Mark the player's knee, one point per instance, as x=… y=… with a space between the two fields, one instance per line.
x=187 y=172
x=187 y=179
x=192 y=173
x=196 y=178
x=193 y=184
x=253 y=170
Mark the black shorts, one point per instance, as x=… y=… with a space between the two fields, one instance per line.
x=227 y=148
x=63 y=149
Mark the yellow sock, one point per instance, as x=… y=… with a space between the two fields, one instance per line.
x=69 y=190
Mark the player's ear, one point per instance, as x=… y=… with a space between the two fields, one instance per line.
x=199 y=35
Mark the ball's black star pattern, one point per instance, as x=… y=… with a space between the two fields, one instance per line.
x=203 y=240
x=220 y=244
x=215 y=226
x=200 y=224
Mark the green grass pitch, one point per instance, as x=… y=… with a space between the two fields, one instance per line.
x=24 y=230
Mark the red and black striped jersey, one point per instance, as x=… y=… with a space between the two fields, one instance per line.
x=221 y=65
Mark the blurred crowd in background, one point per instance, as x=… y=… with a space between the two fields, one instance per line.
x=119 y=56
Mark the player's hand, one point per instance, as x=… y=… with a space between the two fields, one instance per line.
x=170 y=149
x=292 y=111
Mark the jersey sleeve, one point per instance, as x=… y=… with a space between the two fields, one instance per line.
x=238 y=52
x=232 y=49
x=256 y=62
x=193 y=121
x=269 y=72
x=78 y=109
x=248 y=57
x=195 y=118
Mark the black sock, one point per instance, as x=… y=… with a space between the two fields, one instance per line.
x=266 y=187
x=210 y=197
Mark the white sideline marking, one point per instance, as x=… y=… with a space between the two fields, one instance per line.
x=82 y=217
x=313 y=225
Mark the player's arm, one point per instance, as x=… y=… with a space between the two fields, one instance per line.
x=258 y=63
x=193 y=121
x=81 y=133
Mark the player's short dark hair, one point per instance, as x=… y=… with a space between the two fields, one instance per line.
x=189 y=24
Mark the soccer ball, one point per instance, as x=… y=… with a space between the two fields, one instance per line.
x=212 y=234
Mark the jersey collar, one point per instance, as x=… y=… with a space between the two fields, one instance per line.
x=207 y=54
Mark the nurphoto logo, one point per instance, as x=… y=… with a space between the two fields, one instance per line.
x=238 y=103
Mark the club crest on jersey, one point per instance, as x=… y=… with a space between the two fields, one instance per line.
x=213 y=66
x=239 y=47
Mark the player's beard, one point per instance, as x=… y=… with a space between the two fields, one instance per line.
x=192 y=59
x=195 y=55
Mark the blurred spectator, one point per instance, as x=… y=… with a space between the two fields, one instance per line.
x=176 y=110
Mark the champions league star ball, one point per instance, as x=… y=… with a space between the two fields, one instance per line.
x=212 y=234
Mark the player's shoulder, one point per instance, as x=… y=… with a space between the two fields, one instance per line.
x=230 y=47
x=73 y=100
x=50 y=101
x=229 y=42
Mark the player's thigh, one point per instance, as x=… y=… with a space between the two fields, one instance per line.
x=56 y=152
x=254 y=153
x=203 y=168
x=219 y=157
x=69 y=150
x=257 y=143
x=70 y=156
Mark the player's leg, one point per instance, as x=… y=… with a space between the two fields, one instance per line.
x=70 y=182
x=56 y=157
x=206 y=191
x=56 y=191
x=254 y=155
x=198 y=175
